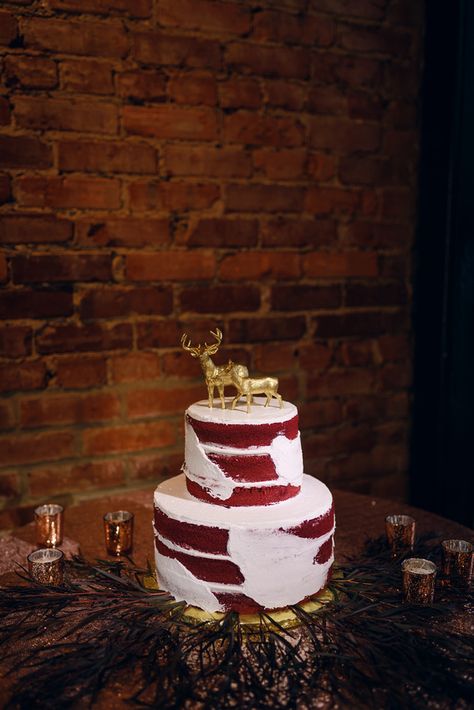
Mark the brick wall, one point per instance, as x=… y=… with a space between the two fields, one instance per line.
x=172 y=165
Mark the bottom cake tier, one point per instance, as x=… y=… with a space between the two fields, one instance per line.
x=243 y=559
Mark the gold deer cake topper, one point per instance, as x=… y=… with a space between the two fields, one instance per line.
x=231 y=374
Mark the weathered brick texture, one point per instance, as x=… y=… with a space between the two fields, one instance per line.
x=173 y=165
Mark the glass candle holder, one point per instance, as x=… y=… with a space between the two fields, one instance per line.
x=49 y=525
x=458 y=560
x=46 y=566
x=400 y=531
x=118 y=529
x=418 y=580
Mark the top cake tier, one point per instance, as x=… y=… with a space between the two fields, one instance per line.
x=237 y=459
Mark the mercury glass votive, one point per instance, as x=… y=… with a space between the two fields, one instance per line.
x=400 y=531
x=46 y=566
x=458 y=560
x=418 y=580
x=118 y=529
x=49 y=525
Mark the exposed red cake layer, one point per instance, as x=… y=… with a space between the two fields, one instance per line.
x=238 y=602
x=246 y=496
x=324 y=552
x=206 y=568
x=316 y=527
x=242 y=436
x=197 y=537
x=248 y=468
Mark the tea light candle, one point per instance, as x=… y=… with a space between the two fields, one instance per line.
x=46 y=566
x=458 y=559
x=49 y=525
x=400 y=531
x=118 y=529
x=418 y=580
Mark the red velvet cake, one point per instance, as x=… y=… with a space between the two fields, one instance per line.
x=243 y=528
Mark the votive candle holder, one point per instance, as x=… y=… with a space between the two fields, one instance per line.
x=458 y=561
x=46 y=566
x=418 y=581
x=118 y=530
x=400 y=531
x=49 y=521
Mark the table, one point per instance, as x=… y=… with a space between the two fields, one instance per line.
x=358 y=517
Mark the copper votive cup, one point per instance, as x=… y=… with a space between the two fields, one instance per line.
x=458 y=560
x=418 y=580
x=118 y=529
x=46 y=566
x=400 y=531
x=49 y=525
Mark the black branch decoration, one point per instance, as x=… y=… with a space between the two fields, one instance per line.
x=105 y=631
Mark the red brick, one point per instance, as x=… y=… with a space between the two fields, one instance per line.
x=393 y=347
x=284 y=27
x=3 y=268
x=346 y=70
x=68 y=409
x=363 y=295
x=342 y=264
x=77 y=338
x=204 y=16
x=318 y=415
x=124 y=232
x=254 y=265
x=332 y=200
x=396 y=375
x=121 y=302
x=65 y=115
x=50 y=446
x=155 y=468
x=329 y=100
x=356 y=353
x=24 y=152
x=365 y=171
x=145 y=195
x=78 y=192
x=336 y=383
x=167 y=333
x=109 y=157
x=255 y=129
x=5 y=189
x=61 y=267
x=80 y=477
x=30 y=72
x=383 y=40
x=170 y=122
x=79 y=373
x=134 y=366
x=132 y=437
x=180 y=364
x=40 y=303
x=281 y=164
x=134 y=8
x=220 y=299
x=304 y=298
x=398 y=204
x=321 y=167
x=4 y=111
x=196 y=88
x=8 y=28
x=67 y=37
x=33 y=229
x=315 y=356
x=240 y=93
x=357 y=324
x=266 y=329
x=142 y=86
x=87 y=76
x=7 y=416
x=207 y=161
x=170 y=266
x=401 y=81
x=366 y=106
x=367 y=9
x=298 y=232
x=267 y=358
x=284 y=94
x=343 y=135
x=15 y=341
x=263 y=198
x=268 y=61
x=365 y=408
x=162 y=50
x=29 y=375
x=223 y=233
x=373 y=234
x=157 y=401
x=399 y=405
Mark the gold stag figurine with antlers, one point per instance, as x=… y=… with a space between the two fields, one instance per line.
x=248 y=386
x=215 y=375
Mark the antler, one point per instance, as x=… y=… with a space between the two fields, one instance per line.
x=211 y=349
x=187 y=345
